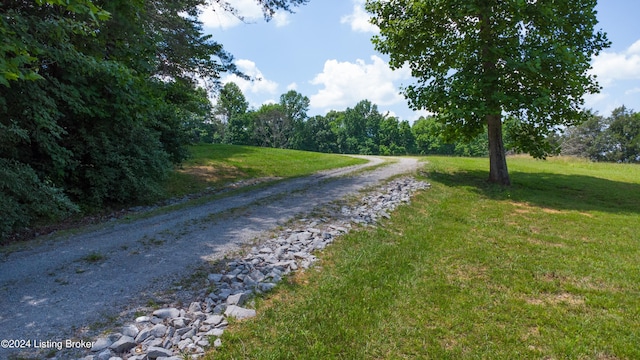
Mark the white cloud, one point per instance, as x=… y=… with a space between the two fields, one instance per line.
x=281 y=19
x=292 y=86
x=632 y=91
x=610 y=67
x=259 y=86
x=603 y=103
x=346 y=83
x=599 y=101
x=213 y=16
x=359 y=19
x=634 y=48
x=591 y=100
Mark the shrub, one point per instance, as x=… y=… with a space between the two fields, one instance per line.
x=25 y=197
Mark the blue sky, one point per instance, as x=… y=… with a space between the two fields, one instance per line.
x=324 y=51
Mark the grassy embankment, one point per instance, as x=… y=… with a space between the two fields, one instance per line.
x=216 y=165
x=210 y=167
x=546 y=269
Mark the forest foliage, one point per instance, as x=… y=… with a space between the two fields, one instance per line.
x=362 y=129
x=97 y=99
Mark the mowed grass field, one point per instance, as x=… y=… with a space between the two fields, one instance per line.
x=546 y=269
x=214 y=165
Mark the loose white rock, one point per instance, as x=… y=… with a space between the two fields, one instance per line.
x=101 y=344
x=125 y=343
x=130 y=330
x=167 y=313
x=239 y=312
x=155 y=352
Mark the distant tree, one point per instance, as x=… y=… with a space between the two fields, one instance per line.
x=624 y=130
x=429 y=137
x=361 y=127
x=231 y=102
x=338 y=127
x=295 y=106
x=272 y=126
x=317 y=135
x=239 y=130
x=479 y=59
x=407 y=140
x=478 y=146
x=389 y=137
x=615 y=138
x=586 y=139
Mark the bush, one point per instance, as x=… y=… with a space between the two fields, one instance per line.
x=25 y=197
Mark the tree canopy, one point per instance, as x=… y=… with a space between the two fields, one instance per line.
x=476 y=60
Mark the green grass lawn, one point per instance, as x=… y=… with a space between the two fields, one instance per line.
x=216 y=165
x=546 y=269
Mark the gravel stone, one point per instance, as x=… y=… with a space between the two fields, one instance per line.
x=125 y=343
x=155 y=352
x=101 y=344
x=130 y=330
x=167 y=313
x=239 y=312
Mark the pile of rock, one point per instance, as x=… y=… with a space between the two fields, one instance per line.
x=172 y=333
x=167 y=332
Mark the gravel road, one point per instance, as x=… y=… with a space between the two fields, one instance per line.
x=60 y=285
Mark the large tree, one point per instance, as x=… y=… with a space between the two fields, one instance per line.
x=478 y=60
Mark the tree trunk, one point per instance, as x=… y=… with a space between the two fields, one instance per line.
x=498 y=172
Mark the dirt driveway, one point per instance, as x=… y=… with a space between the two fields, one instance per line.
x=50 y=291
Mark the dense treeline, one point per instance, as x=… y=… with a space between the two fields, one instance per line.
x=97 y=100
x=362 y=129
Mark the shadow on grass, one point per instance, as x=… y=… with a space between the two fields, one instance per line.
x=557 y=191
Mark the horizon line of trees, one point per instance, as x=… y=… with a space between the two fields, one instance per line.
x=361 y=129
x=364 y=130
